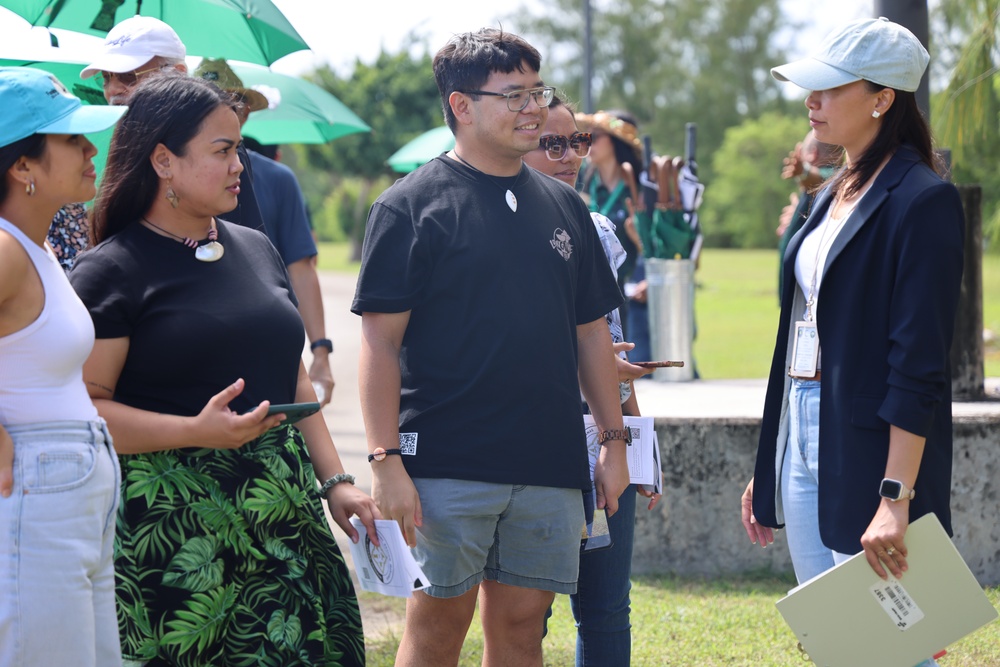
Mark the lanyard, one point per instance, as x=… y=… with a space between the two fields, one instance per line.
x=611 y=201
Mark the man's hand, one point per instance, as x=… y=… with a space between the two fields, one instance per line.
x=321 y=375
x=611 y=476
x=396 y=497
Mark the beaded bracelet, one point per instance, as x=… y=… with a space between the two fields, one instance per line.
x=335 y=480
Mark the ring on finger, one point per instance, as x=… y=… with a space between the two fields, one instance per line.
x=890 y=551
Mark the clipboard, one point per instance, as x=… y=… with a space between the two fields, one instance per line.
x=849 y=616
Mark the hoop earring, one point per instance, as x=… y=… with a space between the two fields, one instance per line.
x=29 y=188
x=875 y=113
x=171 y=196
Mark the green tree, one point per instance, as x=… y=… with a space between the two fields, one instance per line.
x=669 y=62
x=396 y=95
x=966 y=115
x=748 y=192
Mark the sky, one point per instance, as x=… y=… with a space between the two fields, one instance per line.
x=343 y=31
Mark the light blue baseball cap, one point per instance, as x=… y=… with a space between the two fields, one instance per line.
x=35 y=102
x=875 y=50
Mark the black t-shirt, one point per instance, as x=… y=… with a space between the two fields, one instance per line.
x=194 y=327
x=489 y=357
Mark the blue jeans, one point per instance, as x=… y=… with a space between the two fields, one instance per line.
x=601 y=602
x=800 y=487
x=57 y=580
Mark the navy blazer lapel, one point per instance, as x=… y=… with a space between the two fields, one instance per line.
x=900 y=163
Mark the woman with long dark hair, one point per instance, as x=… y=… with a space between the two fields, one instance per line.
x=224 y=555
x=856 y=437
x=59 y=490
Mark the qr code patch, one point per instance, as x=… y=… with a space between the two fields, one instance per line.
x=408 y=443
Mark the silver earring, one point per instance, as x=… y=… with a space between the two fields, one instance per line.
x=29 y=188
x=875 y=113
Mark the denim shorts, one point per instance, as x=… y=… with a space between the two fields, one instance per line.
x=527 y=536
x=57 y=581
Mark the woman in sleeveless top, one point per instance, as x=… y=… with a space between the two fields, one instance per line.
x=58 y=469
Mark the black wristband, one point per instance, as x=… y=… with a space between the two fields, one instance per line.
x=379 y=454
x=322 y=342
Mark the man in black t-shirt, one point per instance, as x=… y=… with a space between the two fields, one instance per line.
x=482 y=292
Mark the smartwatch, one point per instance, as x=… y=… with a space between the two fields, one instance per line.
x=379 y=454
x=322 y=342
x=894 y=490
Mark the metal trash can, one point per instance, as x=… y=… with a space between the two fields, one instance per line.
x=670 y=284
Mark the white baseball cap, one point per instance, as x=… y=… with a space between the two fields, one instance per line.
x=133 y=43
x=875 y=50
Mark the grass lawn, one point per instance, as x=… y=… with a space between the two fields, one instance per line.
x=687 y=622
x=736 y=307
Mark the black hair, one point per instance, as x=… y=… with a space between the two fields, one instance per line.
x=166 y=110
x=32 y=147
x=468 y=60
x=624 y=151
x=902 y=123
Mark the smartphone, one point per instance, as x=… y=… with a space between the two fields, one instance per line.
x=596 y=533
x=293 y=411
x=658 y=364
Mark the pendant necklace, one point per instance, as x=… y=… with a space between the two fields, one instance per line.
x=508 y=195
x=209 y=252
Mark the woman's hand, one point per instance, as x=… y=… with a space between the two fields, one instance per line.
x=647 y=493
x=883 y=541
x=6 y=463
x=218 y=427
x=346 y=500
x=757 y=533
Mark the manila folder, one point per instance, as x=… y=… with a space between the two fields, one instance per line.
x=848 y=616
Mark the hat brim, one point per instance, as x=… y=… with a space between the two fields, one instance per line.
x=115 y=62
x=813 y=74
x=255 y=100
x=84 y=120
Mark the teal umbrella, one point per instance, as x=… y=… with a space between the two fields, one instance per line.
x=421 y=150
x=248 y=30
x=300 y=113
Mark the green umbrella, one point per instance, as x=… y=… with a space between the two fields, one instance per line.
x=421 y=150
x=301 y=112
x=249 y=30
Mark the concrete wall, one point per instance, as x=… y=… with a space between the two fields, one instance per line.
x=696 y=529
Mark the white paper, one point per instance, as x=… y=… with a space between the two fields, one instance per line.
x=643 y=464
x=657 y=485
x=388 y=568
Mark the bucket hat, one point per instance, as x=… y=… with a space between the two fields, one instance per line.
x=218 y=71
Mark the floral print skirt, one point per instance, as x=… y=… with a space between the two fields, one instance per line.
x=225 y=558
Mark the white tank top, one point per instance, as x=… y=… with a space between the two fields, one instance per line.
x=41 y=366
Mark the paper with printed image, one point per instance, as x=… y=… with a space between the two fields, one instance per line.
x=643 y=463
x=388 y=568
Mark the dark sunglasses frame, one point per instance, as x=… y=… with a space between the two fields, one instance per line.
x=580 y=142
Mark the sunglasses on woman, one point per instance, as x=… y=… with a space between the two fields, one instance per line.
x=556 y=145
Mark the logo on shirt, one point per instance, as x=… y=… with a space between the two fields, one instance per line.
x=561 y=243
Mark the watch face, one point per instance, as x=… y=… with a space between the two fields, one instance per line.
x=891 y=489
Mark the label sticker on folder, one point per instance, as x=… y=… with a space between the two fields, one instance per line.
x=897 y=603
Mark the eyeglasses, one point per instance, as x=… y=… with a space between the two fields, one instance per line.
x=555 y=145
x=127 y=79
x=517 y=100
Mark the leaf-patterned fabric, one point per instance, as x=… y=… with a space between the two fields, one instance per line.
x=225 y=558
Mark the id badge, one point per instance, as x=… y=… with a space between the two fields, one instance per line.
x=805 y=350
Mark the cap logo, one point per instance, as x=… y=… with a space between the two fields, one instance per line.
x=119 y=41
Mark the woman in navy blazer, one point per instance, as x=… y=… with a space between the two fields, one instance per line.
x=859 y=443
